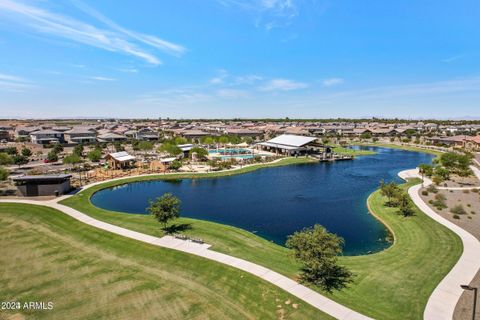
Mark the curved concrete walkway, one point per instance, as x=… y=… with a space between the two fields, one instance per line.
x=313 y=298
x=442 y=302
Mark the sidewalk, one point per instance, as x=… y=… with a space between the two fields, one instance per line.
x=442 y=302
x=313 y=298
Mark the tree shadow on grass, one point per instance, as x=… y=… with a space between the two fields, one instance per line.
x=174 y=228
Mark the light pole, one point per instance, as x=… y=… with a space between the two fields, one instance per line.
x=467 y=287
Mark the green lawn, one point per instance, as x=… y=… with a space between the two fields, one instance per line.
x=92 y=274
x=393 y=284
x=402 y=147
x=352 y=152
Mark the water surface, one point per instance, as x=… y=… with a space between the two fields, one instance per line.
x=275 y=202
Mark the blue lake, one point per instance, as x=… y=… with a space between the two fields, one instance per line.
x=275 y=202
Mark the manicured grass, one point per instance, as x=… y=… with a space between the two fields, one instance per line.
x=393 y=284
x=396 y=283
x=402 y=147
x=352 y=152
x=92 y=274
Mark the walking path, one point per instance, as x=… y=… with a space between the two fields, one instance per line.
x=442 y=302
x=313 y=298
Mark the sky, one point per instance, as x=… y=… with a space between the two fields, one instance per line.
x=240 y=59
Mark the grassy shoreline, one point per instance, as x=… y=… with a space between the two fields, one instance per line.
x=401 y=147
x=388 y=285
x=90 y=274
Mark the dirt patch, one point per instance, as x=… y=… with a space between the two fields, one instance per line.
x=470 y=221
x=456 y=181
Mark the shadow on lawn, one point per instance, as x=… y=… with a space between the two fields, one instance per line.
x=174 y=228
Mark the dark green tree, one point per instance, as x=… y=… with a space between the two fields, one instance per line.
x=26 y=152
x=165 y=208
x=317 y=250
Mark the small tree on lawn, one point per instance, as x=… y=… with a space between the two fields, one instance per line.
x=165 y=208
x=317 y=250
x=405 y=207
x=389 y=190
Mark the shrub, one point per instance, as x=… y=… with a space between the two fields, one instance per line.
x=458 y=209
x=175 y=165
x=466 y=191
x=439 y=202
x=3 y=174
x=424 y=193
x=475 y=190
x=431 y=188
x=456 y=216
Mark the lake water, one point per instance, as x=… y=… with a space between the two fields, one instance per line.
x=275 y=202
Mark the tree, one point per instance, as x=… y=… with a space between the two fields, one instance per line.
x=52 y=156
x=19 y=159
x=405 y=206
x=441 y=172
x=165 y=208
x=426 y=169
x=3 y=174
x=170 y=148
x=179 y=140
x=208 y=140
x=145 y=145
x=5 y=159
x=78 y=150
x=11 y=151
x=72 y=159
x=365 y=136
x=389 y=190
x=94 y=155
x=201 y=152
x=26 y=152
x=317 y=250
x=57 y=148
x=175 y=165
x=223 y=140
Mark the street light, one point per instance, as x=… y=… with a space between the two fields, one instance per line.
x=467 y=287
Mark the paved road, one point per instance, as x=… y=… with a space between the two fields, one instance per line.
x=312 y=297
x=442 y=302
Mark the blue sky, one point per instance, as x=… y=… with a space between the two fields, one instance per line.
x=233 y=58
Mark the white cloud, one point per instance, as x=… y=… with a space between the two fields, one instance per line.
x=453 y=58
x=100 y=78
x=114 y=39
x=232 y=93
x=283 y=85
x=13 y=83
x=332 y=82
x=222 y=74
x=248 y=79
x=128 y=70
x=268 y=13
